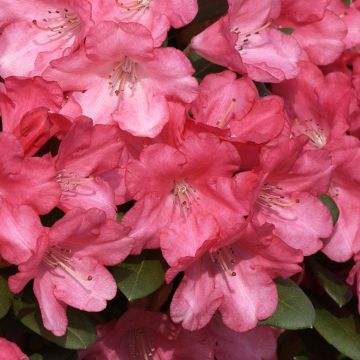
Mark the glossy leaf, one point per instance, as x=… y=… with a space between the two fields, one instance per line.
x=80 y=334
x=331 y=205
x=336 y=288
x=5 y=297
x=139 y=276
x=341 y=332
x=294 y=310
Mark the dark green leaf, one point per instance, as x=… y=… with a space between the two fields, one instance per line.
x=347 y=2
x=202 y=66
x=36 y=357
x=287 y=31
x=294 y=310
x=80 y=334
x=331 y=283
x=5 y=297
x=341 y=332
x=262 y=89
x=330 y=203
x=139 y=276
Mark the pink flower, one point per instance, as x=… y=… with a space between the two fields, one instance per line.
x=85 y=154
x=24 y=105
x=236 y=280
x=122 y=77
x=68 y=265
x=226 y=102
x=156 y=15
x=245 y=41
x=37 y=33
x=10 y=351
x=145 y=334
x=184 y=196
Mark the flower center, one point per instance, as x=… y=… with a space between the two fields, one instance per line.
x=123 y=73
x=70 y=182
x=58 y=257
x=272 y=196
x=224 y=257
x=313 y=131
x=184 y=194
x=134 y=5
x=244 y=38
x=140 y=345
x=59 y=23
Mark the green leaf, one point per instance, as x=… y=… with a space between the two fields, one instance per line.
x=202 y=66
x=347 y=2
x=341 y=332
x=331 y=283
x=331 y=205
x=36 y=357
x=5 y=297
x=139 y=276
x=294 y=310
x=287 y=31
x=80 y=333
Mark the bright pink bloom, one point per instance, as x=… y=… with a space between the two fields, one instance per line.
x=140 y=334
x=226 y=102
x=68 y=266
x=10 y=351
x=259 y=343
x=40 y=31
x=319 y=31
x=122 y=77
x=29 y=181
x=156 y=15
x=184 y=196
x=24 y=106
x=289 y=181
x=236 y=280
x=245 y=41
x=85 y=154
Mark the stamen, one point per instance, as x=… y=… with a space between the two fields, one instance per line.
x=123 y=73
x=184 y=195
x=58 y=257
x=140 y=345
x=59 y=23
x=312 y=130
x=226 y=118
x=70 y=181
x=134 y=5
x=224 y=258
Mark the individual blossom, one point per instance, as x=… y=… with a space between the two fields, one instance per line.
x=184 y=196
x=226 y=102
x=86 y=153
x=140 y=334
x=156 y=15
x=120 y=76
x=9 y=350
x=39 y=31
x=320 y=32
x=68 y=265
x=236 y=279
x=25 y=104
x=245 y=41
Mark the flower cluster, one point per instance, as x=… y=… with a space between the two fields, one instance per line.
x=226 y=183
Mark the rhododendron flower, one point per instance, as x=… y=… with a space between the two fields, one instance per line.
x=236 y=280
x=44 y=30
x=68 y=265
x=184 y=197
x=24 y=106
x=245 y=41
x=256 y=344
x=85 y=153
x=140 y=334
x=288 y=182
x=10 y=351
x=156 y=15
x=227 y=102
x=29 y=181
x=319 y=31
x=124 y=78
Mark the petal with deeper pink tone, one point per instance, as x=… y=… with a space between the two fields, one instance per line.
x=9 y=350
